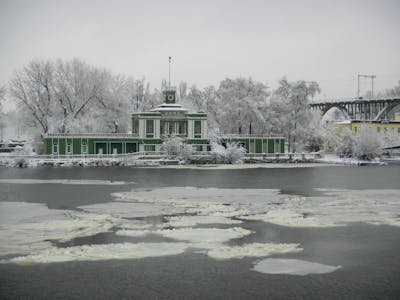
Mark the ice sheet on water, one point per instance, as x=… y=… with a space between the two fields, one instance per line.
x=17 y=212
x=64 y=181
x=30 y=226
x=190 y=221
x=204 y=235
x=292 y=267
x=132 y=210
x=291 y=219
x=101 y=252
x=334 y=208
x=252 y=250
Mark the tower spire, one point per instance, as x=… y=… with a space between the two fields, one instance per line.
x=169 y=71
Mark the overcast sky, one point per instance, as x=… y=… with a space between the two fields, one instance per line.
x=325 y=41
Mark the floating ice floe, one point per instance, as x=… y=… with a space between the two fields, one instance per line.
x=32 y=230
x=204 y=236
x=290 y=219
x=132 y=210
x=252 y=250
x=189 y=221
x=292 y=267
x=64 y=181
x=101 y=252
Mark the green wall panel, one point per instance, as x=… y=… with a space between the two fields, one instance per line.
x=258 y=146
x=61 y=147
x=77 y=146
x=271 y=146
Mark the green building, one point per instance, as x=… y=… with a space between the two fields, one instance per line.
x=148 y=131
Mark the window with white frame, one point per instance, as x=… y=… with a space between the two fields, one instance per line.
x=55 y=148
x=69 y=148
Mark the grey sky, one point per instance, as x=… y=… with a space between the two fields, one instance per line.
x=326 y=41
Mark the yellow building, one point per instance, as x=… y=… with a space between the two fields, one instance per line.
x=381 y=127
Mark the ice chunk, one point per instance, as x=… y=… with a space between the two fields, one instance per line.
x=189 y=221
x=204 y=235
x=252 y=250
x=133 y=233
x=290 y=219
x=292 y=267
x=101 y=252
x=30 y=226
x=64 y=181
x=132 y=210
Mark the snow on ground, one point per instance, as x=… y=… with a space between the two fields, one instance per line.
x=292 y=267
x=334 y=159
x=63 y=181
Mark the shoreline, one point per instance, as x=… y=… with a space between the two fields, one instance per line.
x=30 y=162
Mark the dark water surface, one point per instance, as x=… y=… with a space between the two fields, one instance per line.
x=369 y=255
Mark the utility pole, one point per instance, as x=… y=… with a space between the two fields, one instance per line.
x=169 y=72
x=372 y=77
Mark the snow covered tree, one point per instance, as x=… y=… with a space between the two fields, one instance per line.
x=314 y=137
x=367 y=143
x=345 y=143
x=33 y=88
x=195 y=99
x=291 y=111
x=182 y=90
x=65 y=96
x=2 y=115
x=241 y=104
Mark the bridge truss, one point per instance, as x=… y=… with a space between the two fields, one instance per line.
x=361 y=109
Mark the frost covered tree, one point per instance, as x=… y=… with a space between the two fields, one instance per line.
x=345 y=143
x=367 y=143
x=182 y=90
x=242 y=103
x=391 y=92
x=314 y=136
x=291 y=112
x=65 y=96
x=195 y=99
x=33 y=88
x=2 y=114
x=329 y=136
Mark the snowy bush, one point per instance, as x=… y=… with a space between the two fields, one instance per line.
x=232 y=154
x=175 y=147
x=345 y=143
x=367 y=143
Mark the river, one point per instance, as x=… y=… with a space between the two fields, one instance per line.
x=321 y=232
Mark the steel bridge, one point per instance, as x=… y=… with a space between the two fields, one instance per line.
x=361 y=109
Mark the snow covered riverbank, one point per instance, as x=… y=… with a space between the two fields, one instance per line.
x=277 y=162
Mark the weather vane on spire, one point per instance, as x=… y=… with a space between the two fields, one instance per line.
x=169 y=72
